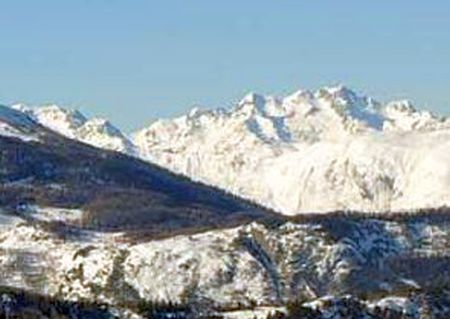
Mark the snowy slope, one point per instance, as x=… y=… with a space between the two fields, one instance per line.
x=238 y=267
x=17 y=125
x=311 y=151
x=71 y=123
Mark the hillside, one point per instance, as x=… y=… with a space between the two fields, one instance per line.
x=115 y=191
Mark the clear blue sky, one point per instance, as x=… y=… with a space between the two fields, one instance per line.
x=132 y=61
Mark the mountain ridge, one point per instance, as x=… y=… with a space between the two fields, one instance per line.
x=364 y=155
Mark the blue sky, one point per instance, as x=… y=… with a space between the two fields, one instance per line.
x=133 y=61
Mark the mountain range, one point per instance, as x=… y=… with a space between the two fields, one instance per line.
x=322 y=151
x=324 y=203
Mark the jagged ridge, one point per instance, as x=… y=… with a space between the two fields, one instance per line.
x=321 y=151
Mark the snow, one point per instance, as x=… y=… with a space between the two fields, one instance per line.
x=15 y=124
x=9 y=131
x=399 y=304
x=240 y=267
x=198 y=261
x=8 y=220
x=60 y=120
x=311 y=151
x=52 y=213
x=258 y=313
x=73 y=124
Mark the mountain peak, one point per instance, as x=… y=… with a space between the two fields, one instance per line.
x=339 y=90
x=299 y=96
x=55 y=108
x=57 y=118
x=73 y=124
x=405 y=106
x=22 y=107
x=195 y=112
x=339 y=93
x=102 y=126
x=252 y=98
x=253 y=102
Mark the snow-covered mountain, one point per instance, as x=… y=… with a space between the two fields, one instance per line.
x=72 y=124
x=327 y=150
x=311 y=151
x=79 y=223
